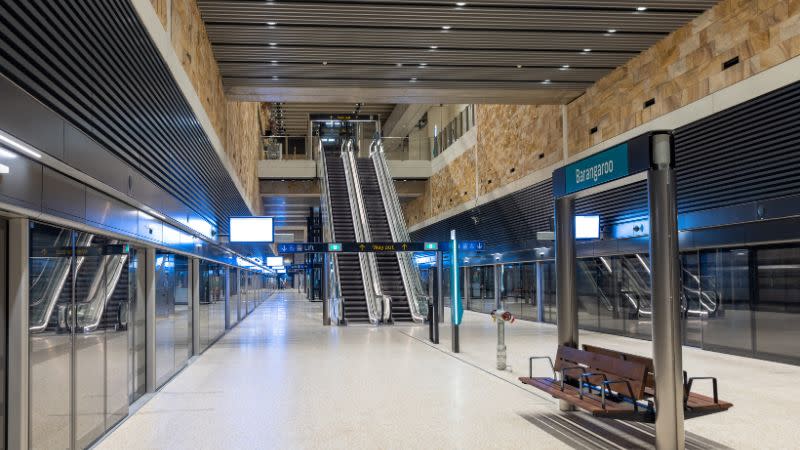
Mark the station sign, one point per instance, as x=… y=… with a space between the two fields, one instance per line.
x=620 y=161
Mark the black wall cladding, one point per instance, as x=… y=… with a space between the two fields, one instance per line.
x=93 y=63
x=746 y=153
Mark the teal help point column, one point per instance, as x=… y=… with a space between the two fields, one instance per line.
x=457 y=309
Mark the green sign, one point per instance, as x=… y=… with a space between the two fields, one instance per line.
x=334 y=247
x=431 y=246
x=597 y=169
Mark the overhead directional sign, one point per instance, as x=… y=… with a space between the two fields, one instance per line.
x=376 y=247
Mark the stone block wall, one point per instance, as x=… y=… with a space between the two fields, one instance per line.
x=237 y=124
x=684 y=67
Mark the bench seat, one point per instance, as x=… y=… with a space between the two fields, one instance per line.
x=590 y=403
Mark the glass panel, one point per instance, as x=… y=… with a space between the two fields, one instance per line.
x=725 y=299
x=550 y=307
x=165 y=313
x=50 y=321
x=612 y=307
x=116 y=320
x=204 y=312
x=590 y=297
x=691 y=304
x=233 y=299
x=778 y=306
x=136 y=327
x=183 y=313
x=90 y=352
x=634 y=287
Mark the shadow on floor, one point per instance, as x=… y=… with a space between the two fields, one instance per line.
x=582 y=431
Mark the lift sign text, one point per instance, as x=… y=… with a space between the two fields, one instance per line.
x=597 y=169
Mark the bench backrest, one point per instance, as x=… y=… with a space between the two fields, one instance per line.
x=613 y=367
x=650 y=381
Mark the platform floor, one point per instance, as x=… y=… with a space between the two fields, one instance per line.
x=281 y=380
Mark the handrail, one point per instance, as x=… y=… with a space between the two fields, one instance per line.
x=334 y=286
x=409 y=272
x=56 y=284
x=367 y=261
x=91 y=312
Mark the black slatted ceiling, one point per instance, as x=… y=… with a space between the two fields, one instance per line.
x=747 y=153
x=94 y=64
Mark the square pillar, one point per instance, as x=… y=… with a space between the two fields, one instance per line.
x=18 y=370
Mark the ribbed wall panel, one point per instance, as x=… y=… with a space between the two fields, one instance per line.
x=95 y=65
x=747 y=153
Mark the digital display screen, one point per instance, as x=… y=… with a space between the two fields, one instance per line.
x=587 y=227
x=252 y=229
x=274 y=261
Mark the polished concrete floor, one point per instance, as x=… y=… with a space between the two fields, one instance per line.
x=282 y=380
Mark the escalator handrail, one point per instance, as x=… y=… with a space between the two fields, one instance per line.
x=329 y=235
x=369 y=267
x=397 y=226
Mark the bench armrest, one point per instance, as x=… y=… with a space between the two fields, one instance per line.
x=608 y=383
x=530 y=365
x=689 y=388
x=564 y=371
x=586 y=376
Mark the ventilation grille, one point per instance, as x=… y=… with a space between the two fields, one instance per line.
x=95 y=65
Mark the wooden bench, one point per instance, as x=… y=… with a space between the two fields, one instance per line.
x=694 y=403
x=603 y=385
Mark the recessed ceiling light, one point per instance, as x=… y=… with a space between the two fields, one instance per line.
x=434 y=47
x=587 y=50
x=324 y=63
x=565 y=67
x=274 y=77
x=399 y=64
x=413 y=80
x=519 y=66
x=461 y=3
x=273 y=44
x=546 y=82
x=423 y=64
x=446 y=27
x=272 y=24
x=612 y=31
x=641 y=8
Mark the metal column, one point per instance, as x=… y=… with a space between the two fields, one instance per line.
x=667 y=357
x=466 y=294
x=194 y=282
x=566 y=296
x=498 y=286
x=18 y=338
x=439 y=285
x=150 y=322
x=326 y=314
x=539 y=291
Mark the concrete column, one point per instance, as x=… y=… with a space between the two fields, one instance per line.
x=664 y=279
x=194 y=282
x=566 y=295
x=150 y=313
x=540 y=291
x=18 y=341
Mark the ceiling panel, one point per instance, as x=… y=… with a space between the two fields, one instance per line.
x=425 y=51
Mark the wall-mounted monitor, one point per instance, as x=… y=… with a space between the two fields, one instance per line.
x=587 y=227
x=274 y=261
x=252 y=229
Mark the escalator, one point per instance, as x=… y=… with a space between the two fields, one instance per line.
x=351 y=281
x=389 y=273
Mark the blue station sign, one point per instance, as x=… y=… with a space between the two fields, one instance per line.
x=598 y=169
x=620 y=161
